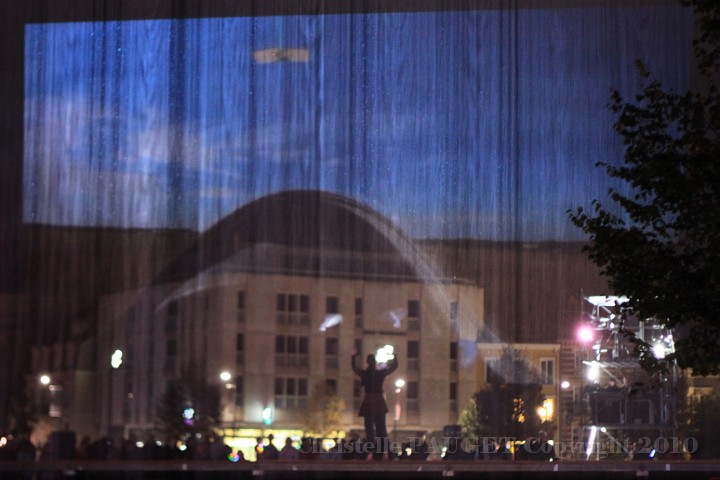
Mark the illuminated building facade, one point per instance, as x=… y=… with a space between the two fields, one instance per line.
x=279 y=309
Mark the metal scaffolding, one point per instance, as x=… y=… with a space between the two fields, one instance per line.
x=623 y=411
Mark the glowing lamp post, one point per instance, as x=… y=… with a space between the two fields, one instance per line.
x=42 y=400
x=226 y=376
x=116 y=360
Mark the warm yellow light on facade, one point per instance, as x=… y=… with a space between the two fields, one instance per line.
x=547 y=410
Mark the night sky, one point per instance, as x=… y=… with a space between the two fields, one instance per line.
x=484 y=124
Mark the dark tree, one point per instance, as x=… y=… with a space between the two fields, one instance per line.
x=20 y=411
x=190 y=405
x=701 y=433
x=508 y=405
x=662 y=253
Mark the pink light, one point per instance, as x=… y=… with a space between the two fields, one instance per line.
x=585 y=334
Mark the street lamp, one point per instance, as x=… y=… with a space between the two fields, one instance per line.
x=226 y=376
x=399 y=384
x=116 y=359
x=43 y=398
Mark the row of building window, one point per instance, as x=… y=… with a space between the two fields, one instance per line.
x=291 y=306
x=300 y=303
x=519 y=372
x=294 y=309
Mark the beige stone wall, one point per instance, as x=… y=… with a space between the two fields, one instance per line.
x=206 y=327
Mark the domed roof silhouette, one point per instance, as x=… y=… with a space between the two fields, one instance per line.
x=306 y=232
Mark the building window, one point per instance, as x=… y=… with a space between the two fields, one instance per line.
x=332 y=305
x=241 y=306
x=413 y=356
x=331 y=387
x=56 y=400
x=492 y=371
x=547 y=371
x=413 y=315
x=290 y=392
x=171 y=324
x=359 y=348
x=358 y=312
x=454 y=317
x=239 y=391
x=331 y=353
x=292 y=309
x=453 y=397
x=291 y=351
x=453 y=356
x=413 y=397
x=240 y=349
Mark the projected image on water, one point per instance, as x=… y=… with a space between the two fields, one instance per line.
x=483 y=124
x=237 y=201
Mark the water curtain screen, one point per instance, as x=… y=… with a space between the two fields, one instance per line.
x=470 y=131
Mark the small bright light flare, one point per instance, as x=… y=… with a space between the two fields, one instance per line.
x=593 y=372
x=225 y=376
x=267 y=416
x=591 y=442
x=585 y=334
x=116 y=359
x=660 y=350
x=45 y=379
x=565 y=385
x=399 y=383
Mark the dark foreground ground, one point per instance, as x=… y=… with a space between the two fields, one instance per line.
x=351 y=470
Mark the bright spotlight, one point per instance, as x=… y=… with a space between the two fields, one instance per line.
x=565 y=385
x=399 y=383
x=659 y=350
x=45 y=379
x=225 y=376
x=585 y=334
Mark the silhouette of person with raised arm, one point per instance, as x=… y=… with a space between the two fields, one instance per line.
x=373 y=407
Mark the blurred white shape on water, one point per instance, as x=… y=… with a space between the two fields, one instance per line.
x=396 y=316
x=330 y=321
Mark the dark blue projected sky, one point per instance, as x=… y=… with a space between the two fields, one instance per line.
x=483 y=124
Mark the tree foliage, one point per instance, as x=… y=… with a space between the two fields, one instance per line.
x=508 y=405
x=21 y=414
x=662 y=253
x=323 y=414
x=190 y=405
x=469 y=419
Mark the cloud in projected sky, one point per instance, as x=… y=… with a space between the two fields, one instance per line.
x=483 y=124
